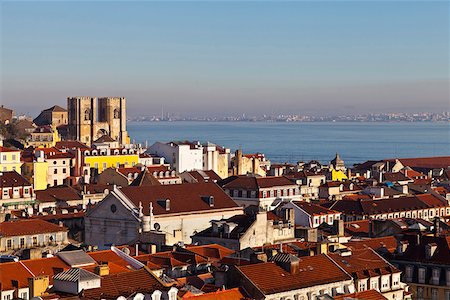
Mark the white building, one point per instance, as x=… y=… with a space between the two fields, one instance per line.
x=171 y=213
x=312 y=215
x=182 y=156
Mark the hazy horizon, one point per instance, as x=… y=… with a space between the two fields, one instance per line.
x=228 y=58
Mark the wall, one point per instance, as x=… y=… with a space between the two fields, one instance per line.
x=111 y=161
x=10 y=161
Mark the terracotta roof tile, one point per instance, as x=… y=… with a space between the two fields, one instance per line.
x=12 y=179
x=314 y=270
x=183 y=198
x=28 y=227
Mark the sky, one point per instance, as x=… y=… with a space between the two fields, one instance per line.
x=228 y=58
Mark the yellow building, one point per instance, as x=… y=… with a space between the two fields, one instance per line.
x=102 y=159
x=44 y=137
x=36 y=172
x=338 y=175
x=9 y=160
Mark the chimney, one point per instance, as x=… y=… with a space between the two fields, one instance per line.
x=405 y=189
x=102 y=270
x=436 y=226
x=430 y=249
x=322 y=248
x=167 y=204
x=402 y=245
x=38 y=285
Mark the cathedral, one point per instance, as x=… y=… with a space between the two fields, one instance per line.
x=92 y=118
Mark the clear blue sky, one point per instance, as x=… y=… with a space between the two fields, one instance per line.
x=314 y=57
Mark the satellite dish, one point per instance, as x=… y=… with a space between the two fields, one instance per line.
x=126 y=251
x=157 y=226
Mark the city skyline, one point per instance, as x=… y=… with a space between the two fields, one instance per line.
x=200 y=58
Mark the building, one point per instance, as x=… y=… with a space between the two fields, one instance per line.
x=59 y=164
x=90 y=118
x=290 y=277
x=16 y=191
x=44 y=136
x=337 y=163
x=336 y=190
x=423 y=206
x=312 y=215
x=9 y=160
x=260 y=191
x=17 y=235
x=216 y=158
x=243 y=164
x=200 y=176
x=6 y=115
x=181 y=155
x=425 y=265
x=248 y=230
x=54 y=116
x=169 y=213
x=98 y=160
x=371 y=272
x=35 y=170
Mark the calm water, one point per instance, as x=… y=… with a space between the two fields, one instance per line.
x=291 y=142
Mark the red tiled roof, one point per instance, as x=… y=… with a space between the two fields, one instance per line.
x=357 y=227
x=394 y=177
x=28 y=227
x=362 y=261
x=60 y=193
x=437 y=162
x=379 y=206
x=313 y=209
x=4 y=149
x=389 y=242
x=314 y=270
x=183 y=198
x=365 y=295
x=12 y=179
x=231 y=294
x=254 y=183
x=125 y=284
x=211 y=176
x=71 y=145
x=158 y=168
x=127 y=171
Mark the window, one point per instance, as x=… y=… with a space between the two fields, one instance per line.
x=96 y=165
x=9 y=244
x=55 y=171
x=26 y=191
x=5 y=193
x=434 y=294
x=87 y=115
x=16 y=191
x=104 y=165
x=420 y=293
x=35 y=240
x=54 y=162
x=64 y=162
x=13 y=157
x=4 y=157
x=435 y=276
x=24 y=295
x=421 y=275
x=64 y=170
x=22 y=242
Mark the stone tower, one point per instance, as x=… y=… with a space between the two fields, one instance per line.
x=91 y=118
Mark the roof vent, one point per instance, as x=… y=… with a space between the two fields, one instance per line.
x=209 y=200
x=165 y=203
